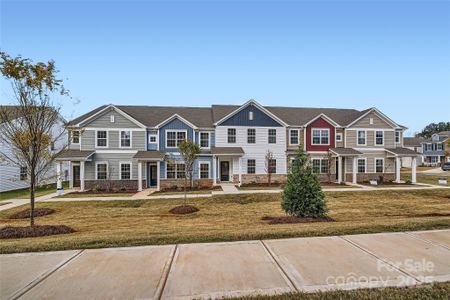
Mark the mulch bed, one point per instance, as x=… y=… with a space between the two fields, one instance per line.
x=195 y=189
x=262 y=184
x=433 y=215
x=90 y=192
x=38 y=212
x=12 y=232
x=327 y=183
x=184 y=209
x=293 y=219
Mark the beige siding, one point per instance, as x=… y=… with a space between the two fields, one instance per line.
x=378 y=122
x=351 y=138
x=341 y=131
x=300 y=138
x=389 y=163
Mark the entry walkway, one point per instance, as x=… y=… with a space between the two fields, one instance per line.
x=216 y=270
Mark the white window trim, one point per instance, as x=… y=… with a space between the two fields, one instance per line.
x=79 y=137
x=120 y=169
x=375 y=138
x=107 y=169
x=320 y=167
x=320 y=144
x=365 y=165
x=200 y=163
x=268 y=136
x=298 y=136
x=399 y=137
x=339 y=135
x=365 y=138
x=375 y=164
x=131 y=139
x=246 y=170
x=251 y=115
x=156 y=138
x=180 y=162
x=249 y=135
x=175 y=130
x=200 y=139
x=107 y=139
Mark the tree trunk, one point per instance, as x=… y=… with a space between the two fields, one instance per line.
x=32 y=194
x=185 y=192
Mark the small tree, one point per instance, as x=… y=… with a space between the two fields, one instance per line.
x=189 y=151
x=303 y=196
x=29 y=126
x=269 y=167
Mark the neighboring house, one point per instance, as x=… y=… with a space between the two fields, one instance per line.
x=137 y=146
x=13 y=176
x=415 y=144
x=436 y=150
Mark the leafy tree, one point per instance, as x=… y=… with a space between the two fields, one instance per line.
x=433 y=128
x=303 y=196
x=189 y=151
x=28 y=126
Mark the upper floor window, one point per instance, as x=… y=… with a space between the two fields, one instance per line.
x=361 y=165
x=125 y=139
x=320 y=136
x=397 y=137
x=175 y=138
x=293 y=136
x=204 y=170
x=102 y=139
x=251 y=166
x=75 y=137
x=272 y=136
x=361 y=137
x=379 y=137
x=250 y=115
x=101 y=170
x=338 y=137
x=231 y=135
x=152 y=138
x=251 y=136
x=439 y=147
x=204 y=139
x=125 y=171
x=23 y=175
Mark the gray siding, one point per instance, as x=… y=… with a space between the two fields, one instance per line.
x=138 y=140
x=104 y=121
x=259 y=118
x=113 y=160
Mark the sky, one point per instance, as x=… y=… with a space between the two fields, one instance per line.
x=393 y=55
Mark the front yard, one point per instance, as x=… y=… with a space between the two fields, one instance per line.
x=226 y=218
x=25 y=193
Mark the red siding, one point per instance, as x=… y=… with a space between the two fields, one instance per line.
x=320 y=123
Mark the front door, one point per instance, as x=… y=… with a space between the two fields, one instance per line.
x=153 y=175
x=76 y=176
x=224 y=171
x=337 y=169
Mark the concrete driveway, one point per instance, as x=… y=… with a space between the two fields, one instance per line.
x=216 y=270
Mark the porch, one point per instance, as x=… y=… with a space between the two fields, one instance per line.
x=226 y=160
x=152 y=162
x=77 y=160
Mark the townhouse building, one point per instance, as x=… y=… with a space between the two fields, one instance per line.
x=137 y=146
x=436 y=150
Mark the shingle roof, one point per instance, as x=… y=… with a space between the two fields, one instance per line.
x=402 y=151
x=227 y=150
x=74 y=154
x=345 y=151
x=414 y=141
x=86 y=115
x=149 y=155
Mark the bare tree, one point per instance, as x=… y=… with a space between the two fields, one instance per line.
x=269 y=166
x=189 y=151
x=28 y=126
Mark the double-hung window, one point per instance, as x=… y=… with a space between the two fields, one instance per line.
x=175 y=171
x=125 y=171
x=204 y=139
x=23 y=173
x=320 y=136
x=361 y=165
x=272 y=166
x=272 y=136
x=125 y=139
x=439 y=147
x=293 y=137
x=361 y=136
x=231 y=135
x=397 y=137
x=102 y=139
x=175 y=138
x=320 y=165
x=251 y=166
x=75 y=137
x=204 y=170
x=251 y=136
x=338 y=137
x=379 y=165
x=102 y=171
x=379 y=137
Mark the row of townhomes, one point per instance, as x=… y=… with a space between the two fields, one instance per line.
x=433 y=151
x=137 y=146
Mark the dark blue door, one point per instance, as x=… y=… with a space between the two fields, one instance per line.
x=153 y=175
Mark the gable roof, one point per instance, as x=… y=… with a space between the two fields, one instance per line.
x=414 y=141
x=379 y=113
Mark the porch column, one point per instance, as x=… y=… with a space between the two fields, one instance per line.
x=413 y=170
x=158 y=172
x=81 y=176
x=58 y=175
x=339 y=169
x=240 y=171
x=214 y=170
x=354 y=169
x=70 y=175
x=139 y=176
x=397 y=169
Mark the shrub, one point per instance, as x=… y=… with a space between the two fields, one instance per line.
x=302 y=195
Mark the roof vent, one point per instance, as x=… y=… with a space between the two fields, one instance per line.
x=112 y=118
x=250 y=115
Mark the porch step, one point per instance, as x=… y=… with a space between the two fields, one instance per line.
x=229 y=188
x=145 y=192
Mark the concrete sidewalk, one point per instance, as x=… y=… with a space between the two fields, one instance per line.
x=216 y=270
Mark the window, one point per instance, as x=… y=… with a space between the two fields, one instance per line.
x=320 y=136
x=75 y=137
x=293 y=137
x=175 y=171
x=251 y=136
x=272 y=166
x=125 y=139
x=361 y=137
x=272 y=136
x=320 y=165
x=231 y=135
x=379 y=137
x=338 y=137
x=102 y=138
x=125 y=171
x=439 y=147
x=23 y=173
x=379 y=165
x=204 y=170
x=152 y=138
x=102 y=171
x=204 y=139
x=324 y=166
x=251 y=166
x=361 y=165
x=111 y=118
x=175 y=138
x=250 y=115
x=397 y=136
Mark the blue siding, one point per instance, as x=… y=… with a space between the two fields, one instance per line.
x=175 y=124
x=213 y=138
x=259 y=118
x=152 y=146
x=196 y=165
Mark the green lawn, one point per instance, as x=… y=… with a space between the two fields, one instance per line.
x=226 y=218
x=199 y=192
x=427 y=179
x=83 y=195
x=435 y=291
x=246 y=188
x=24 y=193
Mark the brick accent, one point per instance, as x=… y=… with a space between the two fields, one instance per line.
x=131 y=185
x=260 y=178
x=360 y=177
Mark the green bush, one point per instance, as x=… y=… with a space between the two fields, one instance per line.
x=303 y=196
